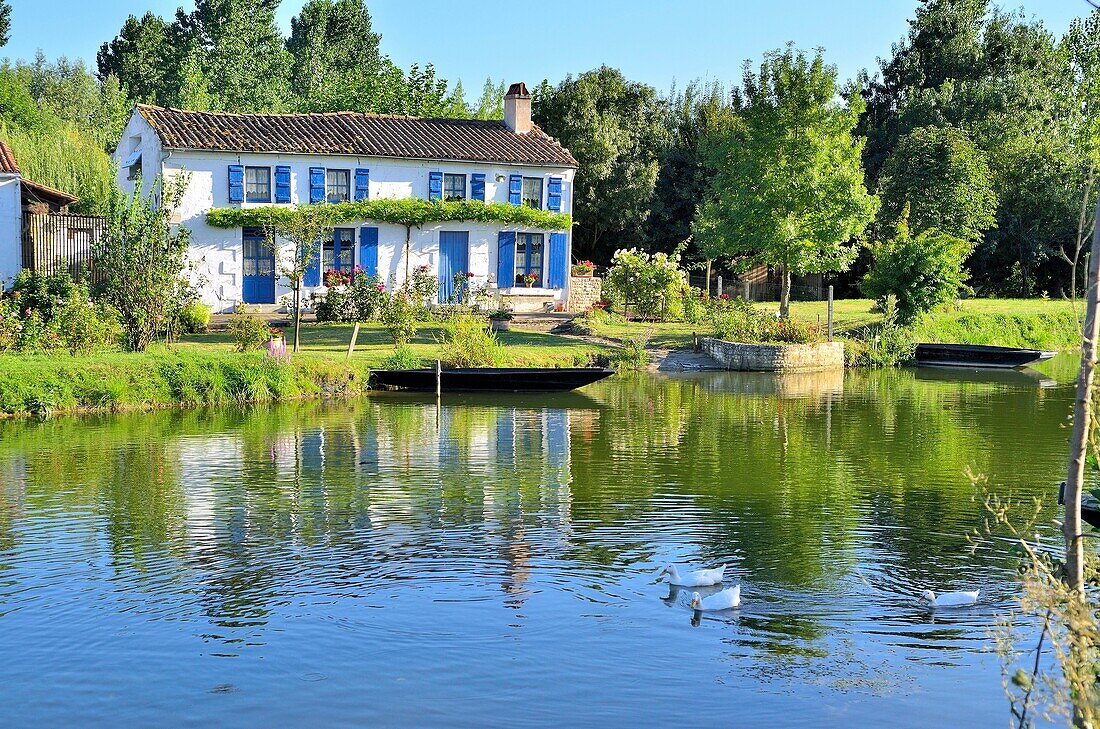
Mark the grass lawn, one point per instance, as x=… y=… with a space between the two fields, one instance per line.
x=206 y=370
x=523 y=349
x=1044 y=323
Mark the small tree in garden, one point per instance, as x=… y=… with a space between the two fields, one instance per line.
x=922 y=271
x=143 y=256
x=647 y=284
x=788 y=189
x=303 y=227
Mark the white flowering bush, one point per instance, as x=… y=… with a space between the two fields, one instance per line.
x=648 y=285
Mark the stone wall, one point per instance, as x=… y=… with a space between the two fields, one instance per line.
x=584 y=292
x=776 y=357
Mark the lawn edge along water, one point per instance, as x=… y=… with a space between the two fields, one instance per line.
x=41 y=384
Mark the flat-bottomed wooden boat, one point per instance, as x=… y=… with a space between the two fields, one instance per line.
x=492 y=379
x=977 y=356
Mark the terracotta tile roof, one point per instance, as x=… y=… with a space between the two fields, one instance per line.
x=354 y=133
x=8 y=165
x=44 y=193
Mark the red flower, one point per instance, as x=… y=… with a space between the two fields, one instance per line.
x=469 y=274
x=724 y=297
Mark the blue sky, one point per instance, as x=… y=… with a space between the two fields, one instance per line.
x=651 y=41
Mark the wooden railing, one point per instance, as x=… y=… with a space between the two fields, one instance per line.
x=54 y=241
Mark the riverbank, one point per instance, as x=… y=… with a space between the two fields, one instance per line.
x=1036 y=323
x=205 y=370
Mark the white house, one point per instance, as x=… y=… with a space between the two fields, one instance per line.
x=250 y=160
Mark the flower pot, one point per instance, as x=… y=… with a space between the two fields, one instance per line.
x=528 y=285
x=500 y=325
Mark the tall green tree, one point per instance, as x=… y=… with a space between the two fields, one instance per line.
x=142 y=56
x=491 y=103
x=331 y=43
x=788 y=189
x=684 y=175
x=5 y=22
x=614 y=127
x=945 y=180
x=242 y=53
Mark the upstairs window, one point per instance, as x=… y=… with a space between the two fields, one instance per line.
x=338 y=185
x=454 y=187
x=257 y=184
x=532 y=192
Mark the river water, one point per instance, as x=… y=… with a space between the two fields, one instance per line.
x=490 y=562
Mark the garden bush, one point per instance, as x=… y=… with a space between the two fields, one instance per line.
x=44 y=293
x=403 y=358
x=400 y=316
x=83 y=327
x=649 y=286
x=351 y=296
x=737 y=320
x=248 y=330
x=922 y=271
x=470 y=342
x=194 y=317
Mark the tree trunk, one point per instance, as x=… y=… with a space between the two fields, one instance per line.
x=297 y=313
x=785 y=295
x=1082 y=420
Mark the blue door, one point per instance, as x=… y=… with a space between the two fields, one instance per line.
x=454 y=259
x=258 y=282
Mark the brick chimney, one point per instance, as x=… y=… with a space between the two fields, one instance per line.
x=517 y=108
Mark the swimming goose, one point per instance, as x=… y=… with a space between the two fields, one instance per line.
x=724 y=600
x=696 y=578
x=949 y=599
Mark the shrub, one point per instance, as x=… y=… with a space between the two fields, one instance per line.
x=403 y=358
x=649 y=285
x=44 y=293
x=248 y=330
x=194 y=318
x=366 y=295
x=634 y=355
x=143 y=255
x=922 y=271
x=737 y=320
x=423 y=288
x=83 y=327
x=470 y=342
x=400 y=316
x=884 y=345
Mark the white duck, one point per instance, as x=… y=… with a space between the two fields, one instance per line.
x=696 y=578
x=949 y=599
x=724 y=600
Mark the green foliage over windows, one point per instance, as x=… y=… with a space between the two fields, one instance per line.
x=407 y=211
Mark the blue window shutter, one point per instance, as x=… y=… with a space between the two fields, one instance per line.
x=313 y=271
x=362 y=184
x=553 y=194
x=316 y=185
x=555 y=276
x=515 y=189
x=477 y=186
x=368 y=250
x=236 y=183
x=506 y=258
x=435 y=185
x=282 y=184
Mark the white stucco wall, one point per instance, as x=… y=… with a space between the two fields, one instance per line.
x=216 y=253
x=11 y=228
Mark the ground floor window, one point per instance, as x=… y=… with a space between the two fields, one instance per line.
x=339 y=253
x=528 y=256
